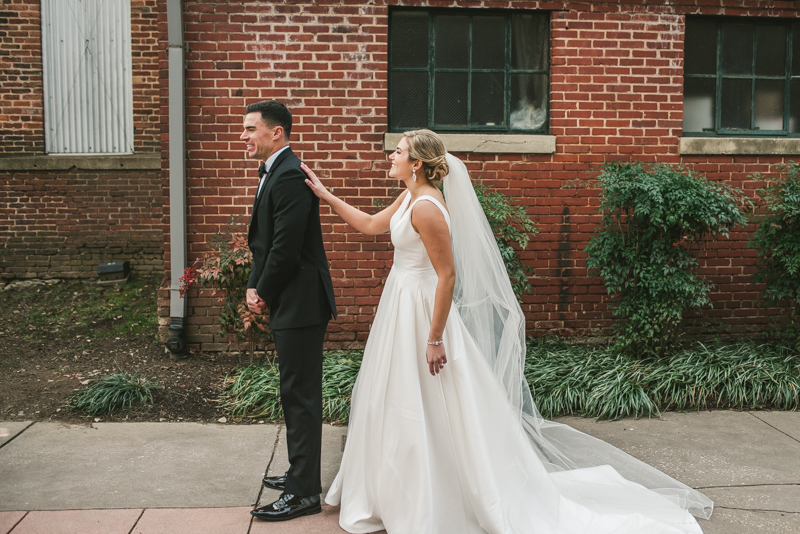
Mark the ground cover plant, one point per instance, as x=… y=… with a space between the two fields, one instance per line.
x=570 y=379
x=655 y=219
x=113 y=392
x=777 y=242
x=254 y=391
x=574 y=379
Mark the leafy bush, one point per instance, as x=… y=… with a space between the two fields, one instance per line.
x=777 y=241
x=655 y=219
x=119 y=390
x=510 y=224
x=227 y=270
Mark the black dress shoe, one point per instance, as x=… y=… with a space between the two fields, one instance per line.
x=278 y=483
x=288 y=507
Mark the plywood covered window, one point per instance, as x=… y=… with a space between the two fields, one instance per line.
x=86 y=64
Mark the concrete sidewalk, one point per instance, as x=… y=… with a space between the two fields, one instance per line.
x=148 y=478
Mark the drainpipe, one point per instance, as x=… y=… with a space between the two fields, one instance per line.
x=177 y=179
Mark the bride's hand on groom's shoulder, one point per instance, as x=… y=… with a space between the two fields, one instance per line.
x=313 y=182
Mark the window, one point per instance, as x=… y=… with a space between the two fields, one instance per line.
x=741 y=77
x=468 y=70
x=86 y=68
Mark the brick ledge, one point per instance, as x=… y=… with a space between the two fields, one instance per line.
x=487 y=143
x=40 y=162
x=740 y=146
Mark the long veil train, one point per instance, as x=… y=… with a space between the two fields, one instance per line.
x=494 y=319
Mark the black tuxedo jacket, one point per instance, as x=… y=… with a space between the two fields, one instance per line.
x=290 y=269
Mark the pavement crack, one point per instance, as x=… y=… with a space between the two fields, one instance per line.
x=17 y=434
x=755 y=509
x=18 y=522
x=776 y=428
x=137 y=521
x=269 y=463
x=748 y=485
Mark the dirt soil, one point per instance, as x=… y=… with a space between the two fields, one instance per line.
x=58 y=337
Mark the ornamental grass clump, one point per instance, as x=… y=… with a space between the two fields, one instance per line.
x=111 y=392
x=655 y=220
x=254 y=391
x=777 y=243
x=598 y=382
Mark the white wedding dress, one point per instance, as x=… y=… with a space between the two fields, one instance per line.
x=448 y=454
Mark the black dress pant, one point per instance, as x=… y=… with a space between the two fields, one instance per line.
x=300 y=363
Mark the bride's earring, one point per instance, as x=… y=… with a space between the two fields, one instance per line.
x=414 y=174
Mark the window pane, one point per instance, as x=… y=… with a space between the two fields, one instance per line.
x=701 y=46
x=771 y=51
x=737 y=49
x=488 y=98
x=452 y=42
x=699 y=97
x=529 y=42
x=488 y=43
x=796 y=49
x=736 y=104
x=769 y=104
x=528 y=101
x=409 y=39
x=409 y=97
x=450 y=100
x=794 y=111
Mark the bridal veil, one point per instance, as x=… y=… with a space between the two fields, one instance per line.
x=493 y=317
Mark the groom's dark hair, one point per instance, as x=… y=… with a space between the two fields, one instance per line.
x=273 y=113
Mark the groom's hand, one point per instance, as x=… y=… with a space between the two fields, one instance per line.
x=255 y=303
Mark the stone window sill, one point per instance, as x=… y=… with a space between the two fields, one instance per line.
x=487 y=143
x=740 y=146
x=89 y=162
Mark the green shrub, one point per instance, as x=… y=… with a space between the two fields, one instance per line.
x=777 y=241
x=655 y=219
x=227 y=270
x=111 y=392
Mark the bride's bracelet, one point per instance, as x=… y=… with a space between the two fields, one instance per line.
x=437 y=343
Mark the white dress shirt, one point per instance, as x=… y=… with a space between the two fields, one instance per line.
x=267 y=166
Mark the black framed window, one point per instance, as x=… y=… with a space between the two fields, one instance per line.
x=454 y=70
x=740 y=77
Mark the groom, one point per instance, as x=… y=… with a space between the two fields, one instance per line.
x=290 y=281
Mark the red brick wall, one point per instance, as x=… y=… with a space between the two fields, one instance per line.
x=616 y=93
x=63 y=223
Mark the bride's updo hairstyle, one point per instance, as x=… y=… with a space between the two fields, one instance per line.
x=427 y=146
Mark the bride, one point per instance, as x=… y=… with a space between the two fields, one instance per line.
x=444 y=436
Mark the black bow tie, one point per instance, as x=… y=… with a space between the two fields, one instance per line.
x=262 y=170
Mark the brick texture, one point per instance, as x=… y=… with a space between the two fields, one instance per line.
x=65 y=224
x=62 y=224
x=616 y=93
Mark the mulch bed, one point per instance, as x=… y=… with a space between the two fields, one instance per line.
x=46 y=355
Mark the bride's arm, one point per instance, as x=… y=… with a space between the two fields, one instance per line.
x=429 y=221
x=363 y=222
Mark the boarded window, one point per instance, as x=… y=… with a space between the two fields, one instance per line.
x=86 y=64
